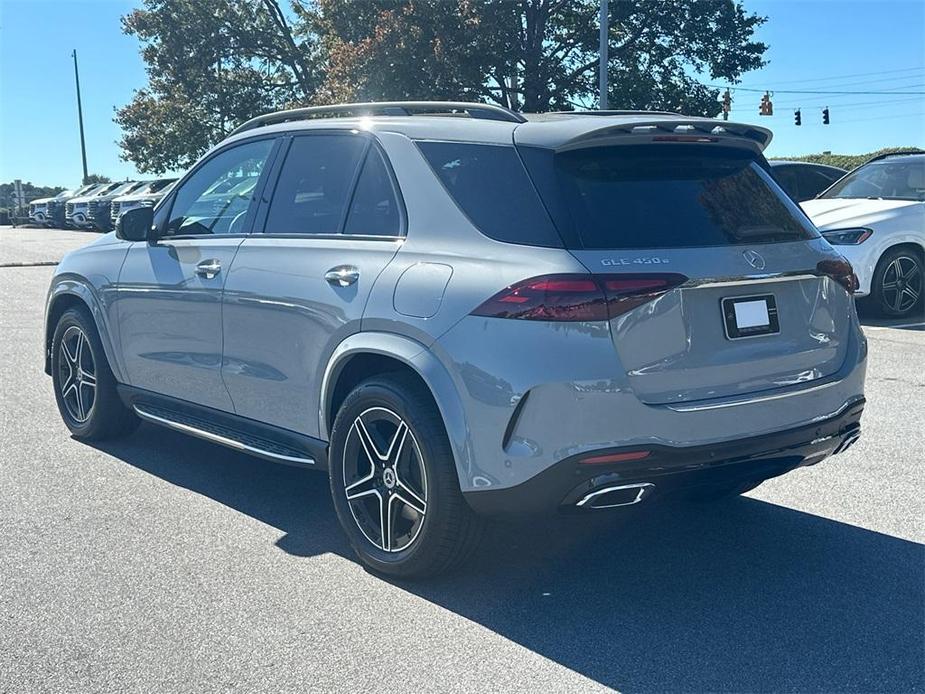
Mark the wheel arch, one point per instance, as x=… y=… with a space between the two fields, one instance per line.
x=915 y=245
x=363 y=355
x=71 y=293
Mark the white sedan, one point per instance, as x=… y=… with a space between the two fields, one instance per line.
x=875 y=217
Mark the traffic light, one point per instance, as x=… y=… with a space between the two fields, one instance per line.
x=766 y=108
x=825 y=116
x=797 y=118
x=727 y=104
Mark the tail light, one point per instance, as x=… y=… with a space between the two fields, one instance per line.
x=577 y=297
x=841 y=271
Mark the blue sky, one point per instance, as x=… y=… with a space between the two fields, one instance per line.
x=819 y=45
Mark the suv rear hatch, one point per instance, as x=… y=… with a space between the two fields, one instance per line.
x=741 y=299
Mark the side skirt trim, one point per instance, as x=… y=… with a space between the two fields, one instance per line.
x=218 y=438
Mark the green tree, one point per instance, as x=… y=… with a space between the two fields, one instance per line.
x=96 y=178
x=31 y=192
x=214 y=63
x=535 y=55
x=211 y=64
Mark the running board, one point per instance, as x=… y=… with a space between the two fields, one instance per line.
x=225 y=436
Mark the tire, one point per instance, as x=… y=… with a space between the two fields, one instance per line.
x=900 y=273
x=85 y=388
x=432 y=527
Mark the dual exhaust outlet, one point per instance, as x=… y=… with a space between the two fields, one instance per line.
x=614 y=496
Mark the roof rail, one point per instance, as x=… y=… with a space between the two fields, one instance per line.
x=386 y=108
x=615 y=113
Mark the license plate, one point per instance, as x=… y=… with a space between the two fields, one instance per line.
x=750 y=316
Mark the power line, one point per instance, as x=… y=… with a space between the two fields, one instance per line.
x=850 y=75
x=878 y=118
x=880 y=103
x=805 y=91
x=838 y=100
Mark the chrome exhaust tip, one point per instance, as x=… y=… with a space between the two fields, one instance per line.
x=848 y=442
x=613 y=496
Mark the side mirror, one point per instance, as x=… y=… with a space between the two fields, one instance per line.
x=135 y=224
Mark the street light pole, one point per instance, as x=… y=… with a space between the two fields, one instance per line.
x=80 y=119
x=605 y=30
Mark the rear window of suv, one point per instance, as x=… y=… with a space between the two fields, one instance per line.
x=664 y=196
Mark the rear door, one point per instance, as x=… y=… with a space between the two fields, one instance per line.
x=300 y=283
x=170 y=311
x=753 y=315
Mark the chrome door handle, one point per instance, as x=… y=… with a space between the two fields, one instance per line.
x=342 y=275
x=209 y=268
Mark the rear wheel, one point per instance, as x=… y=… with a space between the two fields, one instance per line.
x=394 y=481
x=85 y=387
x=897 y=284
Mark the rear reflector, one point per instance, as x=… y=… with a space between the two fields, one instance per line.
x=840 y=271
x=614 y=458
x=577 y=297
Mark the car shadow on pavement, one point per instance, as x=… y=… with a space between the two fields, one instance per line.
x=737 y=596
x=870 y=318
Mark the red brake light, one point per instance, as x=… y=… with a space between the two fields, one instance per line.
x=614 y=458
x=840 y=271
x=577 y=297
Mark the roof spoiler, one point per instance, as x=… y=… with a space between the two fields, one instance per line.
x=386 y=108
x=677 y=130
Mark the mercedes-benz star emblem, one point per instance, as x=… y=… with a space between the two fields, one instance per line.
x=754 y=259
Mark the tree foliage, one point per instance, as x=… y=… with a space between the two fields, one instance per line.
x=535 y=55
x=214 y=63
x=30 y=191
x=96 y=178
x=847 y=161
x=211 y=64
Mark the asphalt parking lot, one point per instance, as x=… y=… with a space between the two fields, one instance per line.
x=163 y=563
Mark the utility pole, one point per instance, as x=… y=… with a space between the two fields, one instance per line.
x=80 y=119
x=605 y=31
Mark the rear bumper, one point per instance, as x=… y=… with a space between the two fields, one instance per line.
x=673 y=469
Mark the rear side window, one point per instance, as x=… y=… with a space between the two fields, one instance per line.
x=314 y=183
x=490 y=185
x=667 y=196
x=374 y=207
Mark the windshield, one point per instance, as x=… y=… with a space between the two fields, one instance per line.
x=670 y=196
x=107 y=188
x=902 y=178
x=159 y=185
x=122 y=188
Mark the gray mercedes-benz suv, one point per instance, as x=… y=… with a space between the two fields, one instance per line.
x=472 y=314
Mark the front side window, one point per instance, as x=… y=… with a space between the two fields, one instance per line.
x=314 y=184
x=902 y=178
x=667 y=196
x=219 y=194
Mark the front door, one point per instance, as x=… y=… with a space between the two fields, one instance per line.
x=170 y=291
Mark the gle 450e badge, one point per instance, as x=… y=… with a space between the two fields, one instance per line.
x=642 y=260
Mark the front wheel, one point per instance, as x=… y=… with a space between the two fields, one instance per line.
x=394 y=481
x=897 y=284
x=85 y=387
